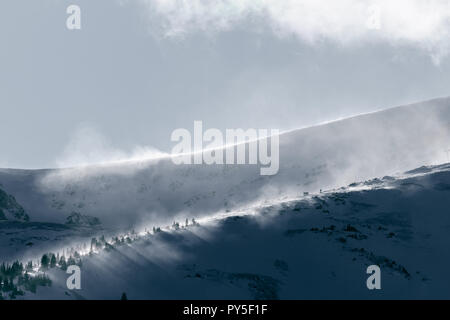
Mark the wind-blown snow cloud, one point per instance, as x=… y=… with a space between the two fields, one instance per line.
x=3 y=163
x=88 y=147
x=423 y=24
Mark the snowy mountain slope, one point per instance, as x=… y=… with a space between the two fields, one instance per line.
x=27 y=240
x=124 y=195
x=10 y=209
x=313 y=247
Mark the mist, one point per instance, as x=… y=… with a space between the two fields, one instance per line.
x=134 y=75
x=332 y=155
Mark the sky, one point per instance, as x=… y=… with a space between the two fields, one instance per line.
x=139 y=69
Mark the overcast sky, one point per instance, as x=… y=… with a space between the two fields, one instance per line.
x=139 y=69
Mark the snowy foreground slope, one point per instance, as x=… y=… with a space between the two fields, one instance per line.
x=315 y=246
x=259 y=236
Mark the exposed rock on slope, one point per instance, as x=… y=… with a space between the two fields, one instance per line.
x=77 y=219
x=10 y=209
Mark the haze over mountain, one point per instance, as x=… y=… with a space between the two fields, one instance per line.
x=312 y=228
x=311 y=247
x=330 y=155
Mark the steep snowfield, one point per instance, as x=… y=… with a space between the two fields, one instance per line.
x=260 y=236
x=312 y=247
x=156 y=191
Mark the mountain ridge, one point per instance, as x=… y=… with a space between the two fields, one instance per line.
x=320 y=157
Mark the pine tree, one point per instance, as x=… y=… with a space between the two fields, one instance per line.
x=71 y=261
x=53 y=261
x=62 y=263
x=93 y=244
x=16 y=268
x=5 y=287
x=45 y=261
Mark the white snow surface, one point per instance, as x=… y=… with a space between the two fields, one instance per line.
x=259 y=236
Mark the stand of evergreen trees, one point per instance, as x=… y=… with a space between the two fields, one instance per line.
x=15 y=277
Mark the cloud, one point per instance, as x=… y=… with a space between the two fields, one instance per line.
x=88 y=147
x=423 y=24
x=4 y=163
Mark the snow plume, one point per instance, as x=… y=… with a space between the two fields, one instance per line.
x=88 y=147
x=3 y=163
x=326 y=156
x=89 y=155
x=422 y=24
